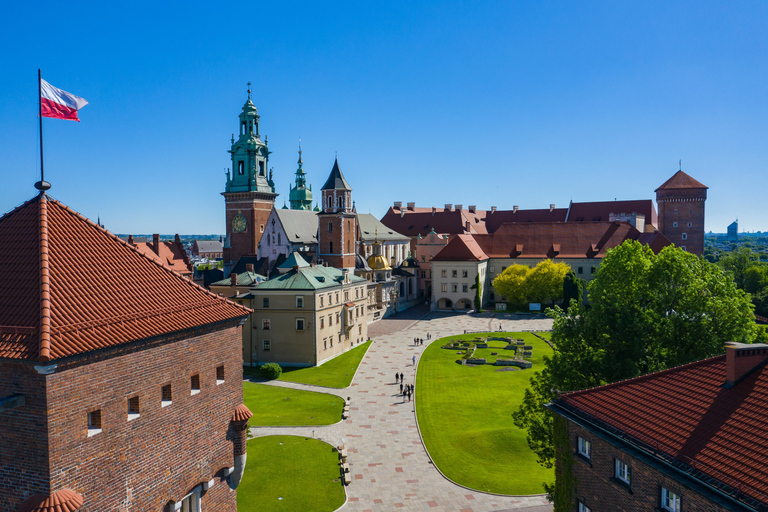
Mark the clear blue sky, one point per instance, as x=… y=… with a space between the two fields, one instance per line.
x=486 y=103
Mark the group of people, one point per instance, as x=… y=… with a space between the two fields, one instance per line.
x=420 y=341
x=405 y=390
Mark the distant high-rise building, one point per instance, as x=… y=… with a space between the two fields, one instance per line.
x=250 y=191
x=680 y=201
x=733 y=231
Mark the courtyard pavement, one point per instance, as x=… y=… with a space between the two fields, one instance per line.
x=391 y=470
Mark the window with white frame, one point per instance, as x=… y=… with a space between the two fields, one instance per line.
x=299 y=324
x=444 y=273
x=465 y=288
x=266 y=345
x=685 y=236
x=464 y=273
x=583 y=507
x=265 y=324
x=265 y=302
x=445 y=287
x=191 y=502
x=669 y=500
x=621 y=471
x=454 y=287
x=585 y=448
x=299 y=302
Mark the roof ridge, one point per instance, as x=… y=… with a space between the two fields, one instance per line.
x=646 y=376
x=152 y=260
x=44 y=352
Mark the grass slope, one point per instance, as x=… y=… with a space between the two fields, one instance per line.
x=303 y=471
x=274 y=406
x=464 y=415
x=336 y=373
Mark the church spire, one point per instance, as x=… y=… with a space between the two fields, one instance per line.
x=301 y=195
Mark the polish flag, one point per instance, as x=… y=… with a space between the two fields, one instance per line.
x=59 y=104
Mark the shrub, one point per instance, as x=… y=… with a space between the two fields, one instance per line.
x=271 y=371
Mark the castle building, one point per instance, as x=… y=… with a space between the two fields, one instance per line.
x=681 y=211
x=685 y=439
x=250 y=192
x=120 y=381
x=337 y=222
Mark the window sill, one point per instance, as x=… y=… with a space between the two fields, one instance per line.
x=194 y=392
x=583 y=458
x=622 y=484
x=165 y=403
x=133 y=415
x=93 y=431
x=219 y=382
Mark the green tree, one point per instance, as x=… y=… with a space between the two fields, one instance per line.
x=510 y=284
x=545 y=281
x=737 y=262
x=647 y=312
x=573 y=289
x=478 y=293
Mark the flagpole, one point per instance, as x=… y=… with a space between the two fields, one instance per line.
x=41 y=185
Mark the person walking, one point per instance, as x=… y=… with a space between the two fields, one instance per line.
x=397 y=377
x=401 y=388
x=414 y=360
x=401 y=377
x=409 y=395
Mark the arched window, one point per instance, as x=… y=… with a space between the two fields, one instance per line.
x=402 y=289
x=330 y=202
x=340 y=202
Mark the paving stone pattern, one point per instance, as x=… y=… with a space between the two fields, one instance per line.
x=390 y=468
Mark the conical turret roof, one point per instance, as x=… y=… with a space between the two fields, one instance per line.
x=336 y=180
x=680 y=180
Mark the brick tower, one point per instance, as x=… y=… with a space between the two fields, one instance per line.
x=681 y=211
x=337 y=222
x=250 y=192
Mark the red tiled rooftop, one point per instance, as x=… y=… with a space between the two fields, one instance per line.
x=686 y=413
x=171 y=255
x=681 y=180
x=72 y=287
x=63 y=500
x=420 y=221
x=461 y=248
x=242 y=413
x=600 y=211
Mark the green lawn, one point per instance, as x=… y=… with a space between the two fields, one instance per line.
x=304 y=472
x=336 y=373
x=465 y=418
x=275 y=406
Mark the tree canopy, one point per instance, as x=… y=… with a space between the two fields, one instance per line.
x=520 y=284
x=647 y=312
x=750 y=274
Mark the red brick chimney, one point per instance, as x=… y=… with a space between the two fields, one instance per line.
x=741 y=359
x=130 y=239
x=233 y=279
x=249 y=267
x=156 y=243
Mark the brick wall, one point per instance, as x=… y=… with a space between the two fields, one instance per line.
x=683 y=206
x=337 y=246
x=256 y=212
x=23 y=435
x=142 y=464
x=597 y=488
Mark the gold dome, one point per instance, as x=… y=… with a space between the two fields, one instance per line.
x=378 y=262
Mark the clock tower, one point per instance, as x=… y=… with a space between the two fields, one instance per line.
x=250 y=192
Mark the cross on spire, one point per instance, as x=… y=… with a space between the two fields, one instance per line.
x=249 y=90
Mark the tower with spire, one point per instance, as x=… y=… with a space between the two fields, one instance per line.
x=300 y=195
x=681 y=201
x=337 y=222
x=250 y=192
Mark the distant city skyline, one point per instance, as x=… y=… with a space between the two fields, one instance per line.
x=493 y=104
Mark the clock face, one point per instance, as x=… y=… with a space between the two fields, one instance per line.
x=238 y=224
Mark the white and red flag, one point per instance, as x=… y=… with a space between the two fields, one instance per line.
x=59 y=104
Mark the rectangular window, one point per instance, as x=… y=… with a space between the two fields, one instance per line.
x=266 y=345
x=585 y=448
x=220 y=375
x=321 y=301
x=325 y=343
x=265 y=324
x=191 y=502
x=669 y=500
x=346 y=296
x=445 y=287
x=338 y=318
x=464 y=273
x=584 y=508
x=454 y=288
x=454 y=273
x=592 y=270
x=322 y=322
x=166 y=396
x=493 y=269
x=445 y=273
x=261 y=228
x=299 y=324
x=360 y=329
x=331 y=340
x=581 y=270
x=133 y=408
x=94 y=422
x=423 y=274
x=195 y=384
x=299 y=302
x=465 y=288
x=330 y=320
x=265 y=302
x=621 y=471
x=337 y=297
x=492 y=296
x=330 y=227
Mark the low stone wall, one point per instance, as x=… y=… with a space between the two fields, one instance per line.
x=513 y=362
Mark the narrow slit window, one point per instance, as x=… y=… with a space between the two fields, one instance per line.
x=195 y=384
x=133 y=408
x=94 y=422
x=220 y=375
x=166 y=397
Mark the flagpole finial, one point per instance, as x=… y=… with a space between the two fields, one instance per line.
x=680 y=163
x=249 y=90
x=42 y=185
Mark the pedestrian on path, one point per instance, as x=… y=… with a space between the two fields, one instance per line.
x=401 y=388
x=409 y=395
x=421 y=341
x=397 y=377
x=414 y=360
x=401 y=378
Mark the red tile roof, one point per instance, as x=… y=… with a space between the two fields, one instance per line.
x=63 y=500
x=687 y=415
x=172 y=256
x=72 y=287
x=681 y=180
x=242 y=413
x=461 y=248
x=420 y=221
x=600 y=211
x=494 y=220
x=556 y=239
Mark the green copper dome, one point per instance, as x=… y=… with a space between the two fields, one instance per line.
x=300 y=196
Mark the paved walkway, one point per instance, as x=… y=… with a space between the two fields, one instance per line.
x=390 y=468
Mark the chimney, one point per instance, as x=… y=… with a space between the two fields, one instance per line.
x=458 y=207
x=551 y=207
x=156 y=243
x=233 y=279
x=402 y=213
x=130 y=239
x=448 y=207
x=741 y=359
x=411 y=206
x=467 y=226
x=249 y=267
x=434 y=210
x=493 y=209
x=295 y=268
x=177 y=238
x=472 y=208
x=515 y=208
x=398 y=205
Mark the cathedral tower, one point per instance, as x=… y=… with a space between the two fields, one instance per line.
x=300 y=196
x=337 y=222
x=681 y=211
x=250 y=192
